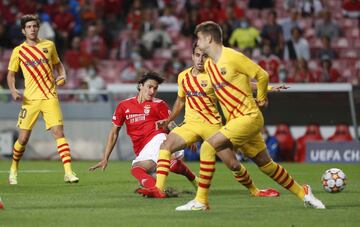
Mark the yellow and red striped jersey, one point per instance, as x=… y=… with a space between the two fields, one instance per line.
x=200 y=103
x=36 y=63
x=230 y=77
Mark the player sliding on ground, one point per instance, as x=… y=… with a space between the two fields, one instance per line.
x=202 y=119
x=37 y=60
x=140 y=114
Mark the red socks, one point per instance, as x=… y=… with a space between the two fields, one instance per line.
x=179 y=167
x=143 y=177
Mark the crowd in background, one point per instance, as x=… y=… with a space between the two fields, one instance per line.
x=114 y=41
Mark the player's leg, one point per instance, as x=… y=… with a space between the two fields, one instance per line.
x=178 y=139
x=54 y=122
x=28 y=115
x=142 y=170
x=241 y=174
x=216 y=142
x=279 y=174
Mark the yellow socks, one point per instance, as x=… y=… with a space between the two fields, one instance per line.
x=64 y=152
x=207 y=169
x=18 y=152
x=163 y=168
x=280 y=175
x=244 y=178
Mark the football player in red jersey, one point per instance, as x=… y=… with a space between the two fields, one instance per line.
x=140 y=114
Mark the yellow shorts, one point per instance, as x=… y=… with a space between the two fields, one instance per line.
x=30 y=110
x=192 y=132
x=245 y=133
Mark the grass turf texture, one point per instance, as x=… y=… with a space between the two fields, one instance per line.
x=108 y=199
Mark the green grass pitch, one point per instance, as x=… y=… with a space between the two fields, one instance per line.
x=108 y=199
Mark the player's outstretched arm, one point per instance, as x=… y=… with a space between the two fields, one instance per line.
x=11 y=83
x=111 y=141
x=178 y=106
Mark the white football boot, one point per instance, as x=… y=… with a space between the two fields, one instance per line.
x=193 y=205
x=13 y=177
x=71 y=178
x=310 y=200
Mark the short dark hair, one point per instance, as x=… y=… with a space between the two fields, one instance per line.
x=150 y=76
x=194 y=47
x=29 y=17
x=210 y=28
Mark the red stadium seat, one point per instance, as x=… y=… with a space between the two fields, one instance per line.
x=312 y=133
x=341 y=134
x=286 y=142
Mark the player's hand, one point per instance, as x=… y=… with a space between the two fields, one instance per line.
x=102 y=164
x=161 y=124
x=16 y=95
x=60 y=80
x=262 y=104
x=280 y=88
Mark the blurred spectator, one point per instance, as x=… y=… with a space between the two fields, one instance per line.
x=325 y=26
x=88 y=13
x=173 y=67
x=209 y=10
x=170 y=21
x=63 y=24
x=93 y=44
x=5 y=41
x=189 y=23
x=351 y=8
x=270 y=63
x=133 y=70
x=46 y=31
x=290 y=22
x=297 y=47
x=74 y=57
x=147 y=23
x=310 y=7
x=326 y=51
x=327 y=73
x=283 y=74
x=244 y=36
x=271 y=144
x=157 y=38
x=261 y=4
x=94 y=83
x=272 y=34
x=15 y=33
x=134 y=16
x=303 y=74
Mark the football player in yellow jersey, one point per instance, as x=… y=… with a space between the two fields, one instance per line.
x=230 y=73
x=202 y=119
x=38 y=59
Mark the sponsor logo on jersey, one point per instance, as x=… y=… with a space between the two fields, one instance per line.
x=45 y=50
x=127 y=111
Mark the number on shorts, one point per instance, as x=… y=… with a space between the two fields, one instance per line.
x=23 y=112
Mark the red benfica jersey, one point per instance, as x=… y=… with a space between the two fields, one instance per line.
x=140 y=119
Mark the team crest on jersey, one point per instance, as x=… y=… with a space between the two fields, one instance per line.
x=147 y=109
x=45 y=50
x=223 y=71
x=204 y=83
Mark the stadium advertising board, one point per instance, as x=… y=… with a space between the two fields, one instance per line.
x=333 y=152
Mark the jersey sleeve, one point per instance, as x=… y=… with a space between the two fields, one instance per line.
x=14 y=62
x=54 y=55
x=164 y=110
x=181 y=92
x=118 y=116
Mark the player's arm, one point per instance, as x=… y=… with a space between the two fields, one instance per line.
x=178 y=106
x=11 y=83
x=262 y=78
x=111 y=141
x=60 y=73
x=270 y=88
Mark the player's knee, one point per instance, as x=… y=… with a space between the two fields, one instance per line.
x=234 y=166
x=23 y=140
